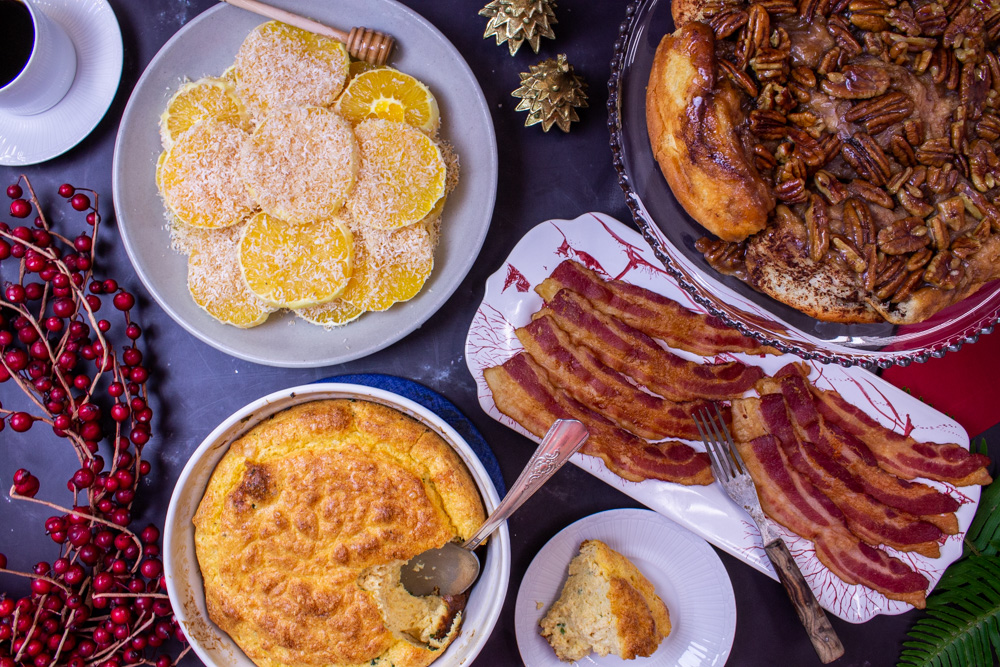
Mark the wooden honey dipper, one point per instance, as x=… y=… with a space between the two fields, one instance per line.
x=365 y=44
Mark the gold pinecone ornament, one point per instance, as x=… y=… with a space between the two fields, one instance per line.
x=514 y=21
x=551 y=93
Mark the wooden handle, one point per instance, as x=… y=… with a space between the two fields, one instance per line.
x=369 y=45
x=822 y=635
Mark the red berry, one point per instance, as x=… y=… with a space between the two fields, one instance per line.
x=80 y=202
x=66 y=190
x=15 y=293
x=14 y=191
x=124 y=301
x=21 y=422
x=20 y=208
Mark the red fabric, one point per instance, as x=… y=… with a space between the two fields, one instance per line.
x=962 y=384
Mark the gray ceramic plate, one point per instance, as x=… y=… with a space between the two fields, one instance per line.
x=206 y=47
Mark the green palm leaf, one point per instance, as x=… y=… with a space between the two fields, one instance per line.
x=961 y=625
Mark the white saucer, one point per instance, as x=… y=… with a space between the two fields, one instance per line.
x=93 y=29
x=687 y=574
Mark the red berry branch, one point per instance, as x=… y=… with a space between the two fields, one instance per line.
x=102 y=602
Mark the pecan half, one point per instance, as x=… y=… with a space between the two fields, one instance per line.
x=988 y=127
x=808 y=9
x=863 y=153
x=935 y=152
x=859 y=226
x=779 y=8
x=902 y=151
x=830 y=186
x=983 y=165
x=725 y=257
x=903 y=236
x=763 y=159
x=931 y=19
x=817 y=228
x=728 y=22
x=741 y=79
x=952 y=212
x=890 y=278
x=828 y=63
x=942 y=179
x=974 y=84
x=914 y=203
x=840 y=28
x=880 y=112
x=938 y=233
x=792 y=191
x=869 y=15
x=850 y=254
x=856 y=82
x=804 y=77
x=909 y=284
x=919 y=259
x=944 y=68
x=770 y=64
x=903 y=19
x=768 y=124
x=755 y=33
x=976 y=203
x=870 y=193
x=944 y=271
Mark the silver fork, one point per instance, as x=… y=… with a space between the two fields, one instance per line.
x=731 y=471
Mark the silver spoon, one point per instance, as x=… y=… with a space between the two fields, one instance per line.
x=451 y=569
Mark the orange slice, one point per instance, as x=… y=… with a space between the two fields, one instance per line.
x=280 y=66
x=389 y=267
x=196 y=177
x=216 y=285
x=392 y=95
x=401 y=178
x=331 y=314
x=300 y=164
x=197 y=100
x=398 y=264
x=295 y=265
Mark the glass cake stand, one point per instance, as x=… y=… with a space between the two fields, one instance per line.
x=672 y=235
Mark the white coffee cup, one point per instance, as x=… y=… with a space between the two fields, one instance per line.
x=49 y=72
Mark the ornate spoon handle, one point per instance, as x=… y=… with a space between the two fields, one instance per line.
x=561 y=441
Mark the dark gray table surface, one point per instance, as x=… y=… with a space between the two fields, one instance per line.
x=542 y=176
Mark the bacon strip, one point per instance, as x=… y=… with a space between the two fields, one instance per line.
x=832 y=442
x=901 y=454
x=581 y=374
x=794 y=502
x=638 y=356
x=522 y=391
x=651 y=313
x=872 y=521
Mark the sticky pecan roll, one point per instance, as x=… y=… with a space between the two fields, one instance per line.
x=843 y=153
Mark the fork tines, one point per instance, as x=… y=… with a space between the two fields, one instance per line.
x=726 y=460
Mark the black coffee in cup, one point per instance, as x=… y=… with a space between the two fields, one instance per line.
x=17 y=37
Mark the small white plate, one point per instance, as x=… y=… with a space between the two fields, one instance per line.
x=687 y=574
x=206 y=46
x=94 y=31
